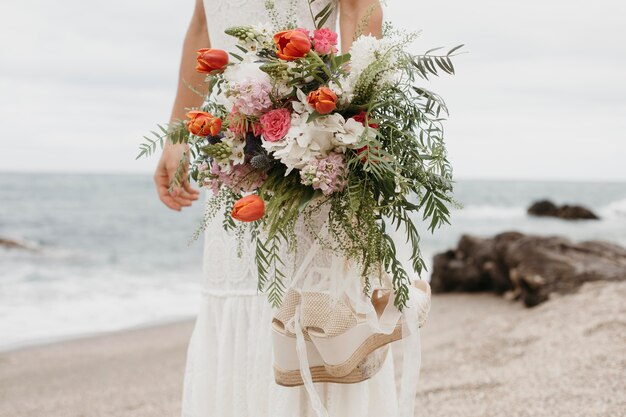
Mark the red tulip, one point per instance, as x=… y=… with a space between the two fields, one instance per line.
x=292 y=44
x=324 y=100
x=202 y=123
x=210 y=60
x=249 y=208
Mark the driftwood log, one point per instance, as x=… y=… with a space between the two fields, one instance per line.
x=526 y=267
x=548 y=208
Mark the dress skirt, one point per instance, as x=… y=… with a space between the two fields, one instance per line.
x=229 y=369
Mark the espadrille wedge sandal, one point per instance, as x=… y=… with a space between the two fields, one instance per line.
x=343 y=338
x=286 y=361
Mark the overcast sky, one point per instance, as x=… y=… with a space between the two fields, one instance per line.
x=541 y=95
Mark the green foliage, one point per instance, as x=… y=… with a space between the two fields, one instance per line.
x=400 y=169
x=214 y=206
x=368 y=84
x=427 y=64
x=270 y=6
x=175 y=132
x=180 y=175
x=269 y=267
x=323 y=15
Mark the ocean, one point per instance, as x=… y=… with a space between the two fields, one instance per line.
x=104 y=253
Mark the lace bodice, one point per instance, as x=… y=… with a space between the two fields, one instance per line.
x=225 y=273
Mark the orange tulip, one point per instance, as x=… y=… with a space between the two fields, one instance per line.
x=292 y=44
x=210 y=60
x=249 y=208
x=324 y=100
x=202 y=123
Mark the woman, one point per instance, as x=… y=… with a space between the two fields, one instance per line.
x=229 y=366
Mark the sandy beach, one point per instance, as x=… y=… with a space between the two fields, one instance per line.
x=482 y=356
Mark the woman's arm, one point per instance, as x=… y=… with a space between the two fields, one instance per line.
x=197 y=37
x=352 y=15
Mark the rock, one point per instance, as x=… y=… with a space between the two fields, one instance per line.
x=526 y=267
x=567 y=212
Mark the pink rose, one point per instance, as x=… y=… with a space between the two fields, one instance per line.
x=324 y=41
x=275 y=124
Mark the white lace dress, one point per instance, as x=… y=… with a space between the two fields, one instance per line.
x=229 y=363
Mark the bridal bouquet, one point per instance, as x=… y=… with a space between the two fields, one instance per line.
x=291 y=126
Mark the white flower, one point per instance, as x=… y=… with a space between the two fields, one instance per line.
x=366 y=50
x=245 y=71
x=302 y=105
x=280 y=88
x=223 y=99
x=237 y=146
x=344 y=90
x=349 y=136
x=316 y=139
x=303 y=142
x=332 y=123
x=238 y=156
x=362 y=53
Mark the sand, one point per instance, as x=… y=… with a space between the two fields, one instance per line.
x=482 y=356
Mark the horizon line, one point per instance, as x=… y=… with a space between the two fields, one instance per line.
x=456 y=179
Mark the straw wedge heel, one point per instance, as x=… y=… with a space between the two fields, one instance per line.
x=287 y=363
x=287 y=366
x=342 y=338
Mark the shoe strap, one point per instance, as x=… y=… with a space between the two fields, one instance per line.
x=284 y=315
x=322 y=311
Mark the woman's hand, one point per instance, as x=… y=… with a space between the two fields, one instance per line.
x=197 y=37
x=181 y=196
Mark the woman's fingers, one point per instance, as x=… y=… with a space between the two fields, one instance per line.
x=161 y=181
x=184 y=194
x=174 y=200
x=167 y=199
x=185 y=191
x=187 y=186
x=180 y=196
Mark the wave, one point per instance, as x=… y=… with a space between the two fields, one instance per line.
x=490 y=212
x=40 y=304
x=615 y=209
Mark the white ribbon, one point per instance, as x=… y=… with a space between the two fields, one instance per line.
x=305 y=371
x=411 y=352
